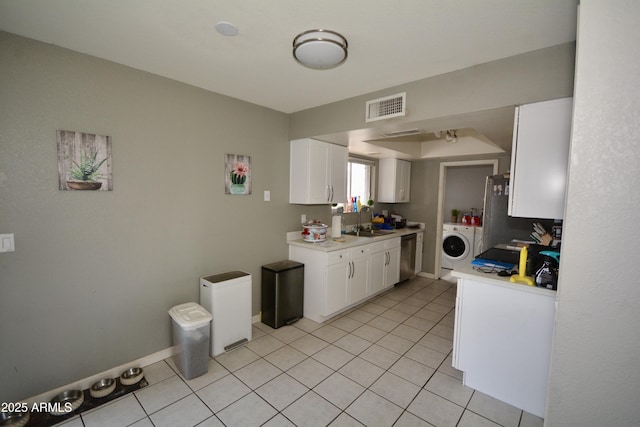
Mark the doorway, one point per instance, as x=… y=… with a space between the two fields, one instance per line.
x=458 y=172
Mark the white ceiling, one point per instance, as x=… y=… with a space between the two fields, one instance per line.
x=391 y=42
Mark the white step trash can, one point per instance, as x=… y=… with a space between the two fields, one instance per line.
x=228 y=297
x=191 y=337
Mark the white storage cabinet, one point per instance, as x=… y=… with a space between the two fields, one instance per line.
x=502 y=339
x=394 y=181
x=317 y=172
x=227 y=297
x=333 y=280
x=539 y=159
x=384 y=265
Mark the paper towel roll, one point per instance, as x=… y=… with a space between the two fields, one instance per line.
x=336 y=226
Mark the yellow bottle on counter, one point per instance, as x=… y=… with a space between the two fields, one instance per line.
x=522 y=269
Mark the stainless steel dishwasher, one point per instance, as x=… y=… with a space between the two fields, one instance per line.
x=408 y=256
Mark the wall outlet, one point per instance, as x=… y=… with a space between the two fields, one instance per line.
x=303 y=218
x=267 y=195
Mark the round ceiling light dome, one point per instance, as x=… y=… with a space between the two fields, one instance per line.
x=320 y=49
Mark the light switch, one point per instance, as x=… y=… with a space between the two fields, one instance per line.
x=7 y=243
x=267 y=195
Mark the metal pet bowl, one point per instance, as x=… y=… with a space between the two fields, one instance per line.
x=131 y=376
x=67 y=401
x=102 y=388
x=14 y=419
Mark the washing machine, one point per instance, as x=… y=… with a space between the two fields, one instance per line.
x=457 y=245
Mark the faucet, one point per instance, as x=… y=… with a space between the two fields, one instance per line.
x=360 y=218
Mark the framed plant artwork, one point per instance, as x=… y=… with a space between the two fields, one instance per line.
x=84 y=161
x=237 y=174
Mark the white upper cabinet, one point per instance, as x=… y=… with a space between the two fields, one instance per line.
x=539 y=159
x=318 y=172
x=394 y=181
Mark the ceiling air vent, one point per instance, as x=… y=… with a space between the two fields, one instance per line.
x=387 y=107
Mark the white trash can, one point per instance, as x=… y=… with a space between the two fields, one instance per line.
x=191 y=326
x=227 y=296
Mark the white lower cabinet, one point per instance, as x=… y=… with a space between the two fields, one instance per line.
x=384 y=265
x=336 y=280
x=346 y=278
x=502 y=339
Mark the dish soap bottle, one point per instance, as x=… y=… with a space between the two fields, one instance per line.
x=547 y=275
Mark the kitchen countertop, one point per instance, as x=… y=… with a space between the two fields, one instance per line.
x=294 y=238
x=468 y=272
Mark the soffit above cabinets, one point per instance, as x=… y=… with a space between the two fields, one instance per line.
x=482 y=133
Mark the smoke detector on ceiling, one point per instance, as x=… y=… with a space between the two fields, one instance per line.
x=387 y=107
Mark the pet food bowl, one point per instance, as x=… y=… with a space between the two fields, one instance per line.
x=14 y=419
x=102 y=388
x=131 y=376
x=68 y=401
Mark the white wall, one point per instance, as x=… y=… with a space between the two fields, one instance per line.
x=595 y=364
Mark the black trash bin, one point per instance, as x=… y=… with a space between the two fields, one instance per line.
x=282 y=293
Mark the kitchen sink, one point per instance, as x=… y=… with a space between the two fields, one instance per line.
x=371 y=233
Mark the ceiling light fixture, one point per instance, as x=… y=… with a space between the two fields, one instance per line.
x=320 y=49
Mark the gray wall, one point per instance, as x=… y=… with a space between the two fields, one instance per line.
x=595 y=375
x=465 y=189
x=94 y=273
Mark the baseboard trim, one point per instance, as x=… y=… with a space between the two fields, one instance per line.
x=111 y=373
x=427 y=275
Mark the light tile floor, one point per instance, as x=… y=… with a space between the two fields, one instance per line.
x=385 y=363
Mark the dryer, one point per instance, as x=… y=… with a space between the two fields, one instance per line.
x=457 y=244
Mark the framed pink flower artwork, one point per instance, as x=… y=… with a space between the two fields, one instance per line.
x=237 y=174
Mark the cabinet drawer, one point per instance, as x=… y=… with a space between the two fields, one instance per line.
x=392 y=243
x=337 y=256
x=360 y=251
x=377 y=247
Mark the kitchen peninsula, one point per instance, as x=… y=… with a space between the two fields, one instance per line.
x=502 y=338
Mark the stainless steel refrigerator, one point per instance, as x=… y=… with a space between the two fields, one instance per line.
x=497 y=226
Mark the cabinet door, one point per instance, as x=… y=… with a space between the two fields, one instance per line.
x=357 y=283
x=336 y=287
x=499 y=356
x=539 y=159
x=393 y=180
x=404 y=181
x=317 y=172
x=337 y=173
x=377 y=266
x=317 y=169
x=392 y=272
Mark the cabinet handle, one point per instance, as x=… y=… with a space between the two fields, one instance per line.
x=331 y=193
